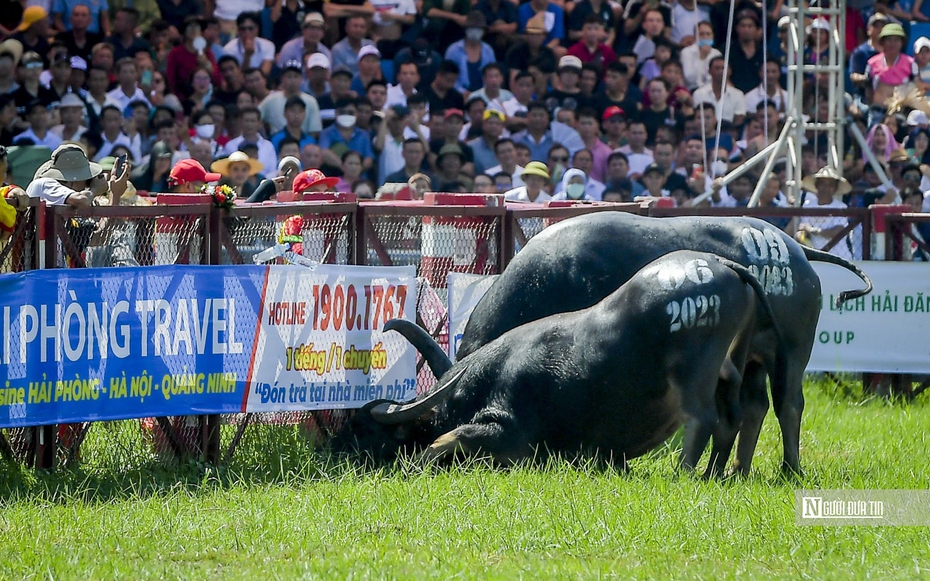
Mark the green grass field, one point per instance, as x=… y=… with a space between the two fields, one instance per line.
x=303 y=515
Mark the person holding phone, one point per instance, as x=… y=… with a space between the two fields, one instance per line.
x=69 y=178
x=288 y=168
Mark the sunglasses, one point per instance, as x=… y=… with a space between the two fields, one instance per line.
x=560 y=158
x=248 y=28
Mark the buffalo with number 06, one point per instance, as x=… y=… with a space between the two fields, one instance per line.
x=579 y=261
x=612 y=381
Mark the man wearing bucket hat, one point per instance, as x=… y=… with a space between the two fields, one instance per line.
x=535 y=177
x=69 y=178
x=890 y=69
x=829 y=187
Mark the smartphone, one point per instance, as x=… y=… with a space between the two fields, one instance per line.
x=119 y=164
x=288 y=172
x=146 y=78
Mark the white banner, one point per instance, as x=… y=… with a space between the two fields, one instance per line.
x=885 y=331
x=465 y=290
x=319 y=344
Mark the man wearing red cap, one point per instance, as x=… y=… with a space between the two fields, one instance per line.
x=313 y=180
x=188 y=176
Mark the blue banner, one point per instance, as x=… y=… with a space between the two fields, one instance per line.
x=106 y=344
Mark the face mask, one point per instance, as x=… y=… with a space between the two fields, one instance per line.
x=719 y=168
x=205 y=131
x=474 y=34
x=345 y=120
x=575 y=191
x=705 y=43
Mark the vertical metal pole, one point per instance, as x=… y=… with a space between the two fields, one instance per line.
x=795 y=106
x=836 y=37
x=840 y=90
x=213 y=223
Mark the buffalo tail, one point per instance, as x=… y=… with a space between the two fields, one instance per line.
x=821 y=256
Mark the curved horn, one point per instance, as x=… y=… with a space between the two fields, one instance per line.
x=439 y=363
x=394 y=413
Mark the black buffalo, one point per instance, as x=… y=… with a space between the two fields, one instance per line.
x=576 y=263
x=612 y=381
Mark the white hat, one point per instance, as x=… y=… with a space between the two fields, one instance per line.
x=819 y=24
x=72 y=100
x=288 y=160
x=318 y=60
x=922 y=42
x=569 y=61
x=314 y=18
x=916 y=118
x=12 y=47
x=367 y=50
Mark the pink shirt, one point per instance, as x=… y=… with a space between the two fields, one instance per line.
x=901 y=71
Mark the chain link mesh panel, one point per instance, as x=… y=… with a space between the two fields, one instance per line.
x=117 y=237
x=821 y=232
x=108 y=237
x=436 y=245
x=315 y=232
x=18 y=253
x=907 y=237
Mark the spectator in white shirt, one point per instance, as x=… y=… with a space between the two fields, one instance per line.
x=250 y=50
x=127 y=90
x=251 y=120
x=407 y=79
x=38 y=132
x=732 y=102
x=696 y=57
x=772 y=75
x=72 y=112
x=111 y=123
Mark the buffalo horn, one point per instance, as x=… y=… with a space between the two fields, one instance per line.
x=395 y=413
x=439 y=363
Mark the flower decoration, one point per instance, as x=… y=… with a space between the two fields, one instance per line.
x=222 y=196
x=290 y=233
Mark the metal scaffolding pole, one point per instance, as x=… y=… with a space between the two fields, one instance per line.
x=833 y=91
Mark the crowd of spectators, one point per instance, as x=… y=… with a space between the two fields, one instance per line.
x=591 y=99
